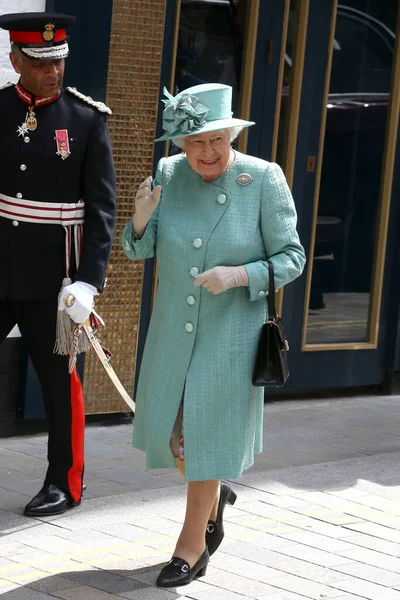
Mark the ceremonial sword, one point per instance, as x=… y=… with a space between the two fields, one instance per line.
x=98 y=348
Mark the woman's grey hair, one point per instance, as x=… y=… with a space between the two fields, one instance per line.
x=233 y=132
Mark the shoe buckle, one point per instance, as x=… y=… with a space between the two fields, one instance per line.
x=210 y=528
x=184 y=568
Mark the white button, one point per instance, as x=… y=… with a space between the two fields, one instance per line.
x=19 y=195
x=261 y=293
x=23 y=167
x=221 y=199
x=197 y=243
x=191 y=300
x=15 y=223
x=194 y=271
x=189 y=327
x=27 y=140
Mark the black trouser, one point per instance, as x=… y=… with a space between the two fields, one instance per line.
x=62 y=392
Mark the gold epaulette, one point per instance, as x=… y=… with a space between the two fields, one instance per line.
x=99 y=105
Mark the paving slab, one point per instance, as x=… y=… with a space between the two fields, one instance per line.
x=52 y=584
x=25 y=593
x=282 y=595
x=367 y=590
x=106 y=581
x=220 y=594
x=370 y=573
x=84 y=592
x=314 y=556
x=152 y=594
x=373 y=558
x=373 y=543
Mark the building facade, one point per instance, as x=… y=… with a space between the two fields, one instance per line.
x=321 y=80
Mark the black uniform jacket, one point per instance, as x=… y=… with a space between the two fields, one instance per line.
x=32 y=261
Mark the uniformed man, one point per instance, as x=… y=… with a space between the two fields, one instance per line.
x=57 y=208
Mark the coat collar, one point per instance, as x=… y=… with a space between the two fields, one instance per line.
x=32 y=100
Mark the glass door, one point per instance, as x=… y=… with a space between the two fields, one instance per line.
x=343 y=185
x=345 y=281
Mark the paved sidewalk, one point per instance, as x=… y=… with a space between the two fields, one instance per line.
x=318 y=516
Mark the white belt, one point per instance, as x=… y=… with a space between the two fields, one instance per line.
x=42 y=212
x=49 y=213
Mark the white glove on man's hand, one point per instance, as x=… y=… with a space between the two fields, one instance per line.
x=83 y=303
x=145 y=204
x=220 y=279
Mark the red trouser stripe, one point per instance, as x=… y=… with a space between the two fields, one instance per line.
x=77 y=438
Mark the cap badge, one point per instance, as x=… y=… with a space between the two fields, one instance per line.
x=244 y=179
x=48 y=33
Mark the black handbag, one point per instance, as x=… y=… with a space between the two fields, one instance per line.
x=271 y=366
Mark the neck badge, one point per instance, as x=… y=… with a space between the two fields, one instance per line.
x=31 y=120
x=30 y=123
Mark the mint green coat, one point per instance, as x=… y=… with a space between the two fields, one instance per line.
x=198 y=343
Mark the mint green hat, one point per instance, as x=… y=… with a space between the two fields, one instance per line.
x=202 y=108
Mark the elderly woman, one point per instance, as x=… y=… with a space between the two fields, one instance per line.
x=213 y=218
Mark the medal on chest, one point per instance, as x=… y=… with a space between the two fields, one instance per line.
x=30 y=124
x=23 y=129
x=62 y=142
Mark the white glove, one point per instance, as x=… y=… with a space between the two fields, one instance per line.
x=220 y=279
x=145 y=204
x=82 y=306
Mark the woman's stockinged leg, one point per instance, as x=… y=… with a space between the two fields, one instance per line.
x=214 y=510
x=175 y=441
x=180 y=465
x=200 y=501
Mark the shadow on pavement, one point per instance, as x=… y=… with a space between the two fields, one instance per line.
x=69 y=584
x=371 y=473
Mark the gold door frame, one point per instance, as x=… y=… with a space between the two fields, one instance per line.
x=278 y=102
x=384 y=204
x=299 y=51
x=248 y=70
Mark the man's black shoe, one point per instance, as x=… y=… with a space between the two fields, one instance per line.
x=49 y=501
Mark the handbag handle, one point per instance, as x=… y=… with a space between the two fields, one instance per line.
x=271 y=293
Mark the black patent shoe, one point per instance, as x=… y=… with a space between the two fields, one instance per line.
x=49 y=501
x=215 y=529
x=178 y=572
